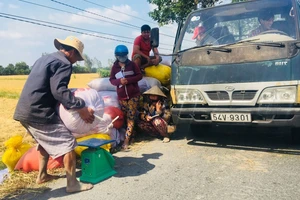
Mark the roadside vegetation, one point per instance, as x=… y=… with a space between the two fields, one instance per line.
x=87 y=66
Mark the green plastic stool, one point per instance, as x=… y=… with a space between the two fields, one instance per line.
x=96 y=163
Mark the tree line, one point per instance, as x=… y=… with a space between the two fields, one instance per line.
x=89 y=66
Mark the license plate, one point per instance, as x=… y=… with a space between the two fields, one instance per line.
x=231 y=117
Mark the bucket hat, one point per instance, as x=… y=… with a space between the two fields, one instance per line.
x=71 y=41
x=155 y=91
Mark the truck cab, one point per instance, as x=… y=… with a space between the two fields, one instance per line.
x=238 y=64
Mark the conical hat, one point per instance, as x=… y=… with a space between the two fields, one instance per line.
x=155 y=91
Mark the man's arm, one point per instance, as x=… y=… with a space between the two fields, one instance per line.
x=59 y=81
x=156 y=54
x=59 y=89
x=137 y=50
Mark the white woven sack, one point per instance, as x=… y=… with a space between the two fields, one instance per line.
x=110 y=98
x=101 y=84
x=166 y=60
x=152 y=82
x=73 y=121
x=143 y=84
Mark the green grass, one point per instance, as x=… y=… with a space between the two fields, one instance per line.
x=9 y=95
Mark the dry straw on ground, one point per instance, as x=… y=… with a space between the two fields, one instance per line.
x=19 y=183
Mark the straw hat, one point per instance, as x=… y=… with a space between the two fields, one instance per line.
x=71 y=41
x=155 y=91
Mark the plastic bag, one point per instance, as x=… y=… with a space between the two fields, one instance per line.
x=160 y=72
x=15 y=149
x=114 y=112
x=30 y=161
x=103 y=136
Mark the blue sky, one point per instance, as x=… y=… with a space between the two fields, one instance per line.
x=26 y=42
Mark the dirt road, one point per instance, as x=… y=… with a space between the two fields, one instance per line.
x=217 y=165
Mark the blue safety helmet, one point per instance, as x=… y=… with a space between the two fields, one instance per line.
x=121 y=50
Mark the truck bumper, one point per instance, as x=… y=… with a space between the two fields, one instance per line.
x=261 y=116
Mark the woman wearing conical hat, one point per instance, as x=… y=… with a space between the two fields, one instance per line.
x=154 y=117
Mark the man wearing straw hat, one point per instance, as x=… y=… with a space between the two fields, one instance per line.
x=46 y=86
x=154 y=117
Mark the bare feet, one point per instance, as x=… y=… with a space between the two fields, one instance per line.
x=125 y=146
x=46 y=178
x=171 y=129
x=79 y=187
x=166 y=140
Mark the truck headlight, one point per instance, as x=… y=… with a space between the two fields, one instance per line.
x=279 y=95
x=187 y=96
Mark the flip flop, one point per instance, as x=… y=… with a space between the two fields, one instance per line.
x=166 y=140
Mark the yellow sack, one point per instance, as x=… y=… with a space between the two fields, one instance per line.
x=15 y=148
x=102 y=136
x=160 y=72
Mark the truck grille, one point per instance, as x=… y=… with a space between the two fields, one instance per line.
x=243 y=95
x=236 y=95
x=218 y=95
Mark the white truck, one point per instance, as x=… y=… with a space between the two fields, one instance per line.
x=244 y=71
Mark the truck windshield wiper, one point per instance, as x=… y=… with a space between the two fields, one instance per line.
x=252 y=41
x=240 y=42
x=222 y=49
x=270 y=44
x=195 y=47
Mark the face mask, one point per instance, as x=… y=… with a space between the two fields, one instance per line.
x=122 y=59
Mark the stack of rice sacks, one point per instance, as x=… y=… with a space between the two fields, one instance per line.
x=108 y=94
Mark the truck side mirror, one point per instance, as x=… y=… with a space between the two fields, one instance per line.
x=154 y=37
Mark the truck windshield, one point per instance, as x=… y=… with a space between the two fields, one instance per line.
x=262 y=21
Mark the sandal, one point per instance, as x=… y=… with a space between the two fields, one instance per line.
x=166 y=140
